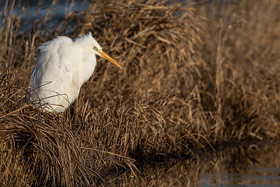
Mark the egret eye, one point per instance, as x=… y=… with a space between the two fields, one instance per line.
x=95 y=48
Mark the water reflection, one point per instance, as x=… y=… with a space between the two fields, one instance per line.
x=251 y=165
x=257 y=166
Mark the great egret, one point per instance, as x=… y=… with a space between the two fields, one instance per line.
x=62 y=66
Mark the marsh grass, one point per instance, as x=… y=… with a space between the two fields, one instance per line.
x=188 y=84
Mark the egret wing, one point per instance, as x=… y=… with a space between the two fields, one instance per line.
x=52 y=75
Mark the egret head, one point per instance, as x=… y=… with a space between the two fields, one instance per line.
x=89 y=41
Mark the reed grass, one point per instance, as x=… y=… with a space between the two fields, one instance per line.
x=188 y=84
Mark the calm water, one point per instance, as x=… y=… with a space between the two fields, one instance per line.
x=251 y=165
x=30 y=10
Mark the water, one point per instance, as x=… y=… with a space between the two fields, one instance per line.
x=250 y=165
x=245 y=167
x=30 y=10
x=30 y=7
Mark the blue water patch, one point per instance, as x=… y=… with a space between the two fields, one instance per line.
x=29 y=11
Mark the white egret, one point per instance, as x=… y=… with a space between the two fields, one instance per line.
x=62 y=66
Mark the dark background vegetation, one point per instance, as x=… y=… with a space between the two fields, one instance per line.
x=195 y=76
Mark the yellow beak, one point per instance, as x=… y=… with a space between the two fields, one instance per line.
x=107 y=57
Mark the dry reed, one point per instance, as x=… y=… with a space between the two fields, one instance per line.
x=187 y=85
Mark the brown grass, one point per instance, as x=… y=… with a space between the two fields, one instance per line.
x=188 y=84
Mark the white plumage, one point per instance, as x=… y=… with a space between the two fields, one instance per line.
x=62 y=66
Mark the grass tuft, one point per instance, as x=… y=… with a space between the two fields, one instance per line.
x=188 y=84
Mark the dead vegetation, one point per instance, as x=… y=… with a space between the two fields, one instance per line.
x=188 y=84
